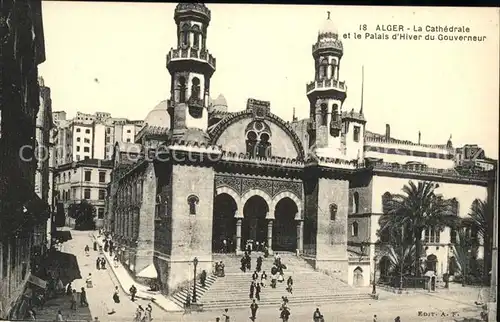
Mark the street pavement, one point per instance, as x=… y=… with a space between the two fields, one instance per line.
x=443 y=306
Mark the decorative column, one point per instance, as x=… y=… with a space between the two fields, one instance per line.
x=270 y=235
x=238 y=234
x=300 y=236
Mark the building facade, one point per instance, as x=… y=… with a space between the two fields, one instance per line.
x=91 y=136
x=21 y=209
x=44 y=177
x=198 y=174
x=83 y=180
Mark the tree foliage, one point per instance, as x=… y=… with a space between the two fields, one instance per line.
x=418 y=208
x=84 y=214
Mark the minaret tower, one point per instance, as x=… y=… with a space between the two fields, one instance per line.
x=191 y=67
x=327 y=93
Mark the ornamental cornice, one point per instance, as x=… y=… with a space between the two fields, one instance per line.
x=238 y=116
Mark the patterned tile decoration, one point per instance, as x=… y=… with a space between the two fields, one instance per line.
x=272 y=187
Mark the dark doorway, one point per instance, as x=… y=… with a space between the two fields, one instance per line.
x=254 y=225
x=224 y=224
x=285 y=226
x=431 y=263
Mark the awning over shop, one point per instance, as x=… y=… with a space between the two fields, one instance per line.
x=148 y=272
x=37 y=281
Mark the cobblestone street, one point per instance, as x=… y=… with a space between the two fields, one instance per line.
x=417 y=307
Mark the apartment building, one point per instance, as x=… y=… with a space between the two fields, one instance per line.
x=83 y=180
x=91 y=136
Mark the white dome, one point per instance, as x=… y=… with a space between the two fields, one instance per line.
x=158 y=116
x=219 y=104
x=328 y=26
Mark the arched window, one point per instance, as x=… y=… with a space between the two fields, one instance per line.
x=264 y=146
x=355 y=200
x=185 y=34
x=192 y=202
x=334 y=69
x=324 y=114
x=195 y=88
x=335 y=112
x=386 y=198
x=333 y=211
x=182 y=89
x=354 y=229
x=251 y=143
x=453 y=236
x=454 y=206
x=324 y=69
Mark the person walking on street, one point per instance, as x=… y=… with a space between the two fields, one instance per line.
x=59 y=317
x=317 y=316
x=73 y=300
x=98 y=263
x=253 y=309
x=83 y=298
x=133 y=291
x=88 y=281
x=375 y=318
x=147 y=314
x=138 y=314
x=116 y=300
x=87 y=250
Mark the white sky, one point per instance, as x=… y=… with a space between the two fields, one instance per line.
x=264 y=52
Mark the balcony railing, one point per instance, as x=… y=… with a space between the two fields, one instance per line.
x=417 y=169
x=190 y=52
x=327 y=84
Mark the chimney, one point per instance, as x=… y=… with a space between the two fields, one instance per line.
x=419 y=136
x=387 y=131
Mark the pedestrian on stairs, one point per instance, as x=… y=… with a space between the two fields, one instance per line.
x=289 y=284
x=257 y=291
x=203 y=278
x=255 y=276
x=253 y=309
x=259 y=264
x=263 y=279
x=252 y=289
x=244 y=264
x=226 y=316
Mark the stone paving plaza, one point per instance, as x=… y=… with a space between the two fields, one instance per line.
x=453 y=305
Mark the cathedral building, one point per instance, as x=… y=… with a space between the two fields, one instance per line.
x=198 y=174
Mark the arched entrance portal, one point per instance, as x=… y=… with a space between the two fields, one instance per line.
x=285 y=226
x=224 y=223
x=254 y=226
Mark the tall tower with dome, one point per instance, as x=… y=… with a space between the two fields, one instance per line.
x=326 y=93
x=191 y=66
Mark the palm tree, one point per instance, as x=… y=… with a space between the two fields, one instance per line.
x=481 y=221
x=461 y=250
x=417 y=209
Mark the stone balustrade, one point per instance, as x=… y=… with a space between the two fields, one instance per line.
x=190 y=53
x=326 y=84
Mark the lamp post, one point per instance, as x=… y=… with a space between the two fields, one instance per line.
x=195 y=263
x=374 y=289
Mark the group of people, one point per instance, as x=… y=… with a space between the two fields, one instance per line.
x=219 y=269
x=100 y=263
x=143 y=315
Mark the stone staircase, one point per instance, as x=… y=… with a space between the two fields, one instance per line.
x=179 y=297
x=310 y=287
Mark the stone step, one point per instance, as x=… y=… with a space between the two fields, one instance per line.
x=276 y=303
x=180 y=297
